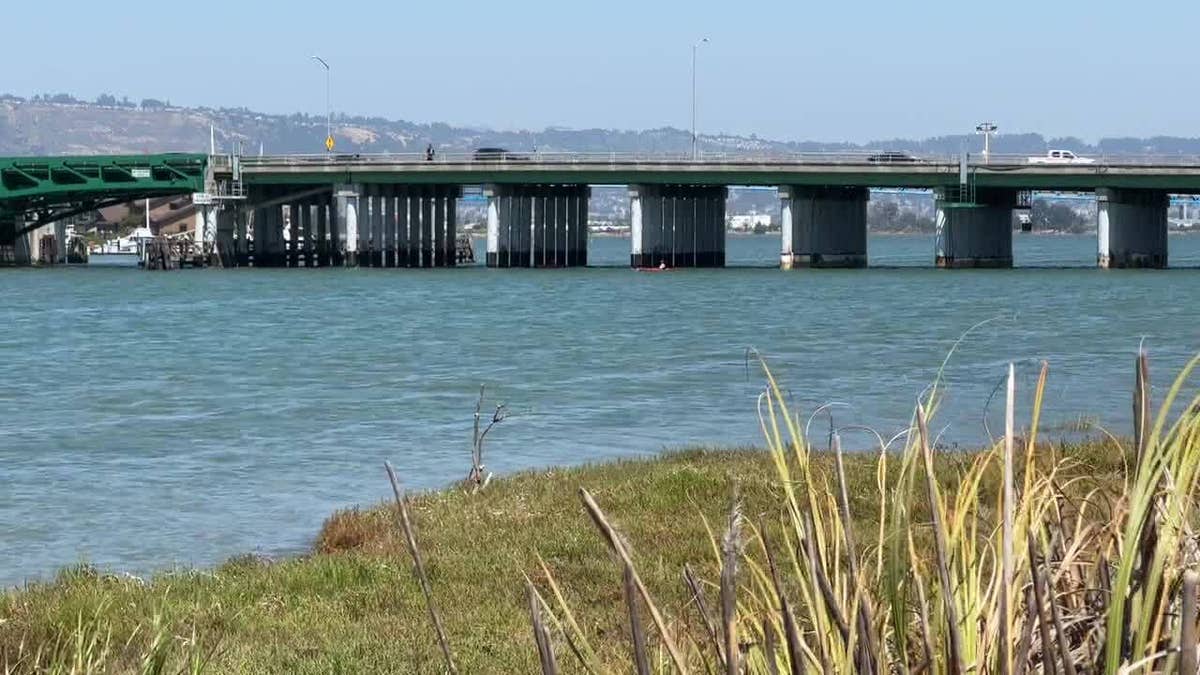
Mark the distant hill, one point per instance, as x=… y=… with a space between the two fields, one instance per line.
x=61 y=124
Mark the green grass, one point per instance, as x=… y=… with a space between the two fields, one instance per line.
x=354 y=606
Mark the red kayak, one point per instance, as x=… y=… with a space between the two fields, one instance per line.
x=655 y=269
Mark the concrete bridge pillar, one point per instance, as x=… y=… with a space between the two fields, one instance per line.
x=677 y=225
x=537 y=225
x=224 y=245
x=975 y=232
x=418 y=225
x=321 y=247
x=206 y=227
x=823 y=226
x=1132 y=228
x=15 y=249
x=242 y=232
x=347 y=221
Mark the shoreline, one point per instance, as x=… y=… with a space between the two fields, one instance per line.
x=352 y=592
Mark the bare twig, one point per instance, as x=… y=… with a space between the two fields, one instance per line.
x=478 y=478
x=411 y=541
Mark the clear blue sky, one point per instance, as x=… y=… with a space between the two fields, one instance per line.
x=790 y=69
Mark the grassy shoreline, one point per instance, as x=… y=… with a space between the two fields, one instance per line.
x=353 y=605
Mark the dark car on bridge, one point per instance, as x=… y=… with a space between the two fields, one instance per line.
x=498 y=155
x=892 y=157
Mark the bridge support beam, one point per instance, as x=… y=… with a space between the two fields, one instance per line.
x=975 y=232
x=823 y=226
x=537 y=225
x=1132 y=228
x=677 y=225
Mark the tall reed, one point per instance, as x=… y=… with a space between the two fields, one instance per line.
x=1017 y=569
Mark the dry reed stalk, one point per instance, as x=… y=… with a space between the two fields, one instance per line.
x=817 y=570
x=1039 y=599
x=614 y=543
x=1007 y=532
x=867 y=645
x=541 y=636
x=1187 y=624
x=697 y=591
x=730 y=552
x=576 y=640
x=791 y=632
x=769 y=646
x=954 y=660
x=410 y=541
x=1025 y=645
x=636 y=634
x=1060 y=633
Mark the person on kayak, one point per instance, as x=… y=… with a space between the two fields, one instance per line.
x=662 y=265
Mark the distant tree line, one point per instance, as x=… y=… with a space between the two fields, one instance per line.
x=1053 y=215
x=886 y=215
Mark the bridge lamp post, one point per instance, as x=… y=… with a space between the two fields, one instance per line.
x=986 y=129
x=695 y=47
x=328 y=107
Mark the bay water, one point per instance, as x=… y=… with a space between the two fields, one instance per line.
x=152 y=419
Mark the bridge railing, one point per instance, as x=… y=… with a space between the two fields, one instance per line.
x=1100 y=160
x=614 y=158
x=522 y=158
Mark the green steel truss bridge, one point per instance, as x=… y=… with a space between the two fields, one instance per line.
x=38 y=190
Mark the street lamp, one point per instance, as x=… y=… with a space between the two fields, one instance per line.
x=986 y=129
x=328 y=109
x=695 y=47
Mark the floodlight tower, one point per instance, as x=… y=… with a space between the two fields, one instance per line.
x=986 y=129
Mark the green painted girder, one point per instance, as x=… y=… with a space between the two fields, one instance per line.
x=52 y=187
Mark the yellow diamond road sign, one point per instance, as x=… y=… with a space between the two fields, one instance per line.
x=329 y=143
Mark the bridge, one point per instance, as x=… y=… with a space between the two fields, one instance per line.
x=43 y=192
x=398 y=210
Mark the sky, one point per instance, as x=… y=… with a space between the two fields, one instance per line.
x=789 y=70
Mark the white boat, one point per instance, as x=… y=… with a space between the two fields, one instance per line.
x=128 y=245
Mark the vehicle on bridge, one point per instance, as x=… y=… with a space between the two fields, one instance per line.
x=498 y=155
x=1061 y=157
x=892 y=157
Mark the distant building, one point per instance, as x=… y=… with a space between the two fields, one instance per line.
x=748 y=222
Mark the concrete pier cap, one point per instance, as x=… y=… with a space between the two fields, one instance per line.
x=823 y=226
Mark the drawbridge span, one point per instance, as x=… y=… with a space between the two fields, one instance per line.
x=39 y=190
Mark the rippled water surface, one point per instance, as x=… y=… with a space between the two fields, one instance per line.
x=151 y=419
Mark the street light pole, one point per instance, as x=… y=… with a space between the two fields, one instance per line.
x=695 y=47
x=328 y=108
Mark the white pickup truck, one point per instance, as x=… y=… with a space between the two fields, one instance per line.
x=1061 y=157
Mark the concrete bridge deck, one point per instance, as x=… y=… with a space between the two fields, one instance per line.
x=1175 y=174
